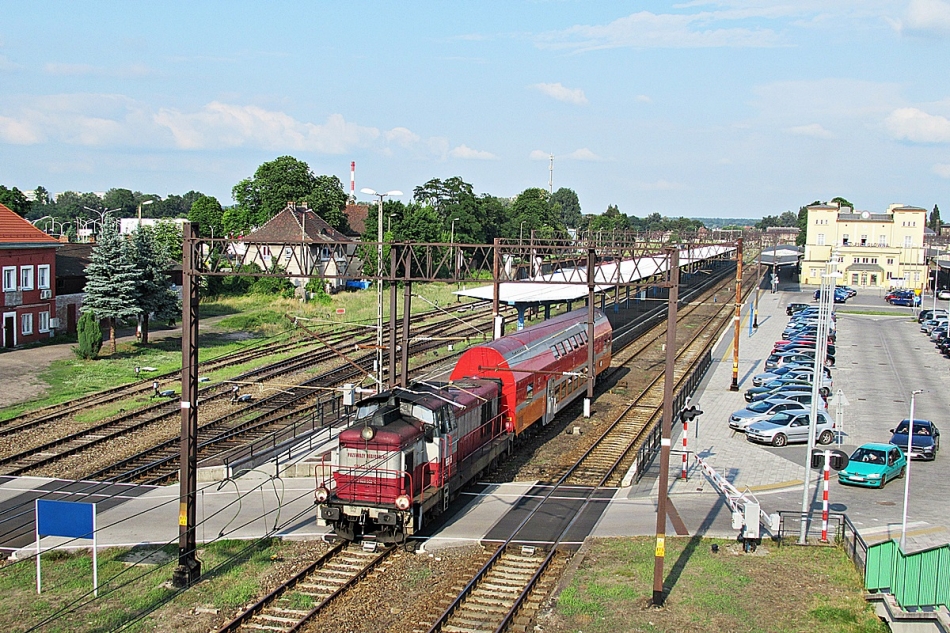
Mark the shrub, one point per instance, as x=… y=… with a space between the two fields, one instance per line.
x=90 y=336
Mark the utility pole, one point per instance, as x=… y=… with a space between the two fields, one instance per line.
x=735 y=339
x=758 y=283
x=667 y=425
x=189 y=567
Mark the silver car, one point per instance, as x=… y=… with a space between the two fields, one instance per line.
x=791 y=426
x=759 y=411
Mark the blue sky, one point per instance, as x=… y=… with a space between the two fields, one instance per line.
x=714 y=109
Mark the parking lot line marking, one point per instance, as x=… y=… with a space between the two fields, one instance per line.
x=778 y=485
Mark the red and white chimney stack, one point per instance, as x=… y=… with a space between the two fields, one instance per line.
x=353 y=182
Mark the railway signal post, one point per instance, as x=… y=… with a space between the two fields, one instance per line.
x=189 y=567
x=738 y=317
x=672 y=255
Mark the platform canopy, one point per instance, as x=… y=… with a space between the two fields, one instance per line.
x=547 y=289
x=785 y=255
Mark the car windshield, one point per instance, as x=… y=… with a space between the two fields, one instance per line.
x=918 y=430
x=760 y=407
x=868 y=456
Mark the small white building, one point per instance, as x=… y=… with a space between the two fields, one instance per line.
x=127 y=226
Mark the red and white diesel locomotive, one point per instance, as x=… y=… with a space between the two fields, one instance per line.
x=411 y=450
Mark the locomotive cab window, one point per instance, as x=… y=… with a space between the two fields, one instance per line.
x=417 y=411
x=366 y=410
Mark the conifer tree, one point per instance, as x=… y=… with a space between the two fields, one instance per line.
x=153 y=294
x=111 y=281
x=90 y=336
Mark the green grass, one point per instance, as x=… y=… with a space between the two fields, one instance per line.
x=67 y=578
x=777 y=590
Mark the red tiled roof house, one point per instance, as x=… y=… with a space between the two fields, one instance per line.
x=27 y=271
x=297 y=239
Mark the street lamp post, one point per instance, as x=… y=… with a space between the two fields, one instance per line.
x=379 y=280
x=521 y=233
x=102 y=215
x=142 y=204
x=910 y=443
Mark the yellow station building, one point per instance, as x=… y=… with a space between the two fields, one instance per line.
x=882 y=250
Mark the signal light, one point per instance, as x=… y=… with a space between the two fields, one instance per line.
x=689 y=414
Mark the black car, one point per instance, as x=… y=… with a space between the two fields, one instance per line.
x=792 y=308
x=925 y=442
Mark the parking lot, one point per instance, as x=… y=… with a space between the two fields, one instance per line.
x=880 y=360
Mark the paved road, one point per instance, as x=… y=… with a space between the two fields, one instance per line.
x=880 y=360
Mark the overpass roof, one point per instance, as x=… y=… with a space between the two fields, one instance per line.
x=569 y=284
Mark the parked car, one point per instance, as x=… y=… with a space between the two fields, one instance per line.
x=873 y=465
x=928 y=326
x=751 y=392
x=925 y=442
x=798 y=356
x=799 y=370
x=792 y=308
x=908 y=298
x=791 y=427
x=790 y=393
x=848 y=290
x=943 y=295
x=928 y=314
x=758 y=411
x=839 y=296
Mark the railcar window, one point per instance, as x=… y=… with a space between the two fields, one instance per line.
x=530 y=391
x=554 y=349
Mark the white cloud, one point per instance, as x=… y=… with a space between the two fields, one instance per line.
x=7 y=66
x=926 y=17
x=18 y=132
x=583 y=154
x=652 y=30
x=69 y=69
x=561 y=93
x=942 y=170
x=917 y=126
x=644 y=99
x=221 y=125
x=539 y=154
x=463 y=151
x=402 y=136
x=814 y=130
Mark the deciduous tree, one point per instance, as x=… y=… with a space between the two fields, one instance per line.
x=206 y=211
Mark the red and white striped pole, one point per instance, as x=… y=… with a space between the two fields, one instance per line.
x=824 y=498
x=685 y=434
x=353 y=181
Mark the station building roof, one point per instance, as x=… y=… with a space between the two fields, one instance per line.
x=569 y=284
x=784 y=255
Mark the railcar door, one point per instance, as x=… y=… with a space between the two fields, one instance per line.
x=550 y=409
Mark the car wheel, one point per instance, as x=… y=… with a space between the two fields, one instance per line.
x=826 y=437
x=825 y=392
x=779 y=440
x=883 y=481
x=900 y=475
x=829 y=362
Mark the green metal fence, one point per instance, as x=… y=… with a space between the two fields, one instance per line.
x=921 y=579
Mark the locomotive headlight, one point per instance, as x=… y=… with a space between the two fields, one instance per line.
x=367 y=433
x=402 y=502
x=322 y=494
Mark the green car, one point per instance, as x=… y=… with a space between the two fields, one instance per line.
x=873 y=465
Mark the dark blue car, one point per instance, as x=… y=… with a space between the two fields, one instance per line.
x=925 y=442
x=840 y=296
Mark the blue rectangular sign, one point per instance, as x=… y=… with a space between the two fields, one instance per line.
x=64 y=518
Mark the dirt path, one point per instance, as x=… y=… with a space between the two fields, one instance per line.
x=20 y=369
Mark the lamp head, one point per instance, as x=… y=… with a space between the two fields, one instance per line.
x=368 y=191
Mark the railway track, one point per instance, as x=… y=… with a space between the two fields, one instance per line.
x=508 y=591
x=159 y=463
x=291 y=605
x=611 y=454
x=53 y=413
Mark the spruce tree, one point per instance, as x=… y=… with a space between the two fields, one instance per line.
x=153 y=293
x=90 y=336
x=111 y=281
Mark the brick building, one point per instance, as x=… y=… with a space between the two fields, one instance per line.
x=28 y=269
